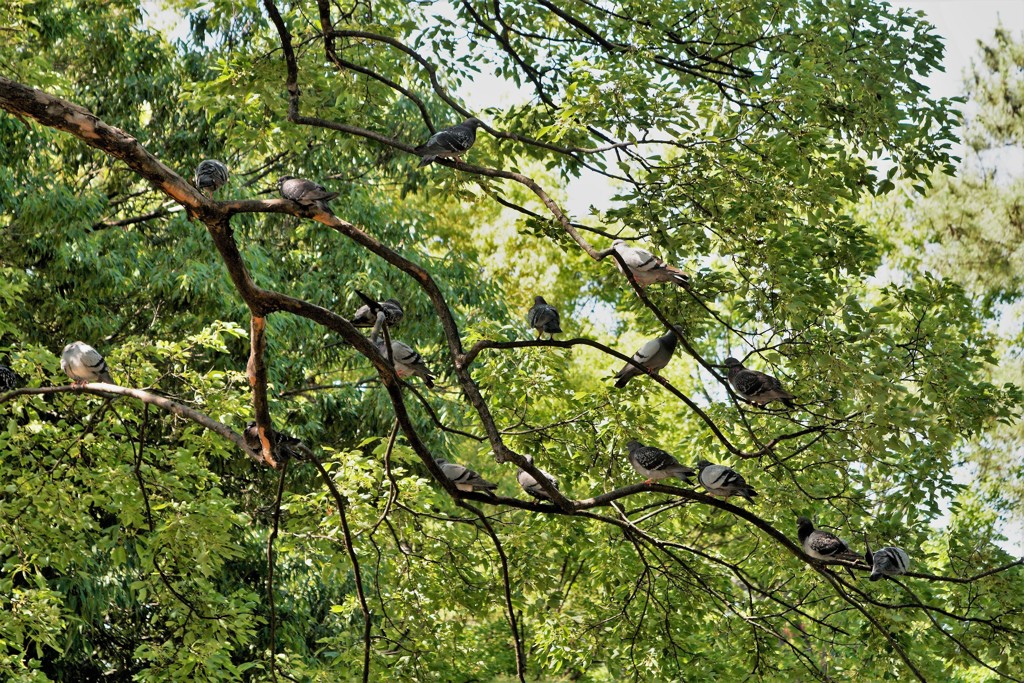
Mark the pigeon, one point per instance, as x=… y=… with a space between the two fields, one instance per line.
x=529 y=483
x=822 y=545
x=887 y=561
x=755 y=386
x=722 y=481
x=211 y=174
x=366 y=315
x=648 y=268
x=8 y=379
x=283 y=446
x=408 y=361
x=544 y=318
x=450 y=142
x=84 y=364
x=655 y=463
x=464 y=478
x=305 y=192
x=654 y=355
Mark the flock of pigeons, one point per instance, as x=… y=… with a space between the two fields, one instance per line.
x=83 y=364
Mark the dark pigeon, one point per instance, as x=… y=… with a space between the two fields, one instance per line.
x=8 y=379
x=544 y=318
x=756 y=387
x=305 y=192
x=655 y=463
x=282 y=446
x=822 y=545
x=366 y=315
x=211 y=175
x=450 y=142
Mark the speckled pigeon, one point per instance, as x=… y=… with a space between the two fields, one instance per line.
x=647 y=268
x=722 y=481
x=464 y=478
x=211 y=174
x=366 y=315
x=305 y=192
x=756 y=387
x=655 y=463
x=84 y=364
x=449 y=142
x=529 y=483
x=283 y=446
x=8 y=379
x=822 y=545
x=887 y=561
x=544 y=318
x=654 y=355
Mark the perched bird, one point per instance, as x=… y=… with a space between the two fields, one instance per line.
x=655 y=463
x=530 y=484
x=464 y=478
x=8 y=379
x=283 y=446
x=544 y=318
x=408 y=361
x=887 y=561
x=756 y=387
x=84 y=364
x=654 y=355
x=450 y=142
x=822 y=545
x=722 y=481
x=211 y=174
x=647 y=268
x=366 y=315
x=305 y=192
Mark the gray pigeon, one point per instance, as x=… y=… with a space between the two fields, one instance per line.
x=654 y=355
x=887 y=561
x=305 y=192
x=822 y=545
x=211 y=174
x=529 y=483
x=464 y=478
x=84 y=364
x=283 y=446
x=647 y=268
x=655 y=463
x=408 y=361
x=756 y=387
x=722 y=481
x=544 y=318
x=8 y=379
x=366 y=315
x=450 y=142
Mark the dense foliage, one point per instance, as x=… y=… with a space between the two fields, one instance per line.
x=739 y=140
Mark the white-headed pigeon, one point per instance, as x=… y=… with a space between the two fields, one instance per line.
x=647 y=268
x=887 y=561
x=530 y=485
x=84 y=364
